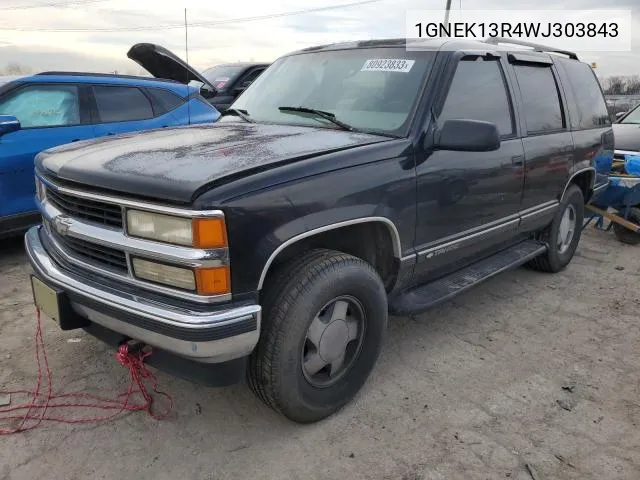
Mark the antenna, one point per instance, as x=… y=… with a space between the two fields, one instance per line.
x=446 y=13
x=186 y=50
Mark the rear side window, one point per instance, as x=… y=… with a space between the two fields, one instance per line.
x=121 y=104
x=542 y=109
x=590 y=109
x=478 y=92
x=163 y=100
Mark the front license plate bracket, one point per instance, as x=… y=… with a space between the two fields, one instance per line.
x=55 y=304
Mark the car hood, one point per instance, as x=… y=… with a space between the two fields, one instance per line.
x=162 y=63
x=626 y=136
x=174 y=164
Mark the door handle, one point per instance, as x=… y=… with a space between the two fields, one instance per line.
x=75 y=140
x=110 y=133
x=517 y=160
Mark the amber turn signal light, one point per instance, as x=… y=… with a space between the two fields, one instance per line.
x=209 y=233
x=213 y=281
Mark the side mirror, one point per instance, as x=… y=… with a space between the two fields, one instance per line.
x=619 y=115
x=8 y=124
x=467 y=136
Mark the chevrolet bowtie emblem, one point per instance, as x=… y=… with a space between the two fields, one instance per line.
x=61 y=224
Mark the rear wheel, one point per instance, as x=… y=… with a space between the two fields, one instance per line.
x=563 y=235
x=325 y=316
x=624 y=234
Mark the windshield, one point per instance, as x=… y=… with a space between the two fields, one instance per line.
x=633 y=117
x=370 y=89
x=220 y=76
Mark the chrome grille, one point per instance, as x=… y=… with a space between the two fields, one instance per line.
x=92 y=253
x=91 y=210
x=85 y=229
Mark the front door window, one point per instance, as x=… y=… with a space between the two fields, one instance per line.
x=37 y=106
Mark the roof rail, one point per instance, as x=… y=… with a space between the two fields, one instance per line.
x=108 y=75
x=536 y=47
x=76 y=74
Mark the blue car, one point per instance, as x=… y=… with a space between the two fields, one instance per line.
x=54 y=108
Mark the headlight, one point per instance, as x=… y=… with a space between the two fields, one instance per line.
x=191 y=232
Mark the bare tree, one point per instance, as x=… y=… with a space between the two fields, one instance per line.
x=633 y=85
x=14 y=68
x=615 y=85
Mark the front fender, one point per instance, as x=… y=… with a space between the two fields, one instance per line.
x=262 y=224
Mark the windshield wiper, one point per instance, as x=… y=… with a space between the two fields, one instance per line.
x=320 y=113
x=243 y=114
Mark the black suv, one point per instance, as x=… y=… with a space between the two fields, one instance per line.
x=348 y=181
x=230 y=80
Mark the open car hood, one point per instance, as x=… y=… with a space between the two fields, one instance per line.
x=162 y=63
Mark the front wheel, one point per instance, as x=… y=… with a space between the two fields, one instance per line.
x=325 y=316
x=563 y=235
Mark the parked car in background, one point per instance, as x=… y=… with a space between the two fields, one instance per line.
x=42 y=111
x=221 y=85
x=617 y=110
x=627 y=134
x=230 y=80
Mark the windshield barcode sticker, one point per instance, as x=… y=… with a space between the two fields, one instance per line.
x=388 y=65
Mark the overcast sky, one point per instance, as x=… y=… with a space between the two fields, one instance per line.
x=24 y=39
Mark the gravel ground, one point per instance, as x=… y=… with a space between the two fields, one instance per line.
x=527 y=369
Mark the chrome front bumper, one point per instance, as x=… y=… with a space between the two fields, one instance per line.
x=208 y=337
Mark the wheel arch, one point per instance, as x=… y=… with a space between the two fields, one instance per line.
x=326 y=233
x=584 y=178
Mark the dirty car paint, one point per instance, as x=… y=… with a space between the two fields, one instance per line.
x=174 y=163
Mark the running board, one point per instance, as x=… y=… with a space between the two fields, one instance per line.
x=426 y=296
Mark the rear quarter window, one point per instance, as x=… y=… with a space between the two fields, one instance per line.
x=163 y=101
x=587 y=107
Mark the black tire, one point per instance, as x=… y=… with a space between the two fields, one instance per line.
x=298 y=291
x=624 y=234
x=554 y=260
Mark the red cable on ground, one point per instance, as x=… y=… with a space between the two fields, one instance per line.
x=36 y=410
